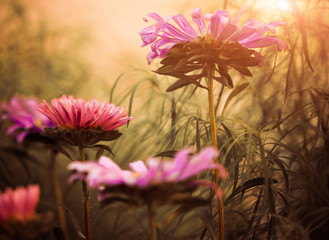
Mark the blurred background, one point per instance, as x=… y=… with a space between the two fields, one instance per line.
x=275 y=129
x=91 y=41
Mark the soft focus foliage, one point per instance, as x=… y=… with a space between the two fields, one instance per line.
x=35 y=58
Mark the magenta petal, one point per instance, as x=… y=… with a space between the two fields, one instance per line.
x=185 y=25
x=181 y=159
x=13 y=128
x=138 y=166
x=199 y=163
x=24 y=115
x=198 y=19
x=148 y=35
x=264 y=42
x=20 y=137
x=154 y=16
x=78 y=113
x=153 y=165
x=164 y=35
x=236 y=20
x=227 y=32
x=108 y=163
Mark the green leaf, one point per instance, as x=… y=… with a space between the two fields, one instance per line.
x=177 y=50
x=241 y=69
x=58 y=149
x=246 y=61
x=74 y=222
x=302 y=26
x=176 y=85
x=245 y=186
x=207 y=221
x=235 y=154
x=131 y=100
x=101 y=146
x=115 y=84
x=235 y=92
x=169 y=153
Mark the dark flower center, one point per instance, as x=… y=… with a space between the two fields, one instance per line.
x=191 y=61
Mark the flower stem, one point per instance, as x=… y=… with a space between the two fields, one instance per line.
x=85 y=192
x=58 y=196
x=152 y=223
x=213 y=129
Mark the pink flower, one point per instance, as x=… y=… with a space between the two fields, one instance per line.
x=106 y=173
x=71 y=113
x=25 y=117
x=217 y=26
x=18 y=204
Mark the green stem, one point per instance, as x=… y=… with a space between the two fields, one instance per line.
x=85 y=192
x=151 y=217
x=58 y=197
x=213 y=129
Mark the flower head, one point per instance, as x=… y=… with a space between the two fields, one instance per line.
x=18 y=204
x=25 y=117
x=80 y=120
x=18 y=219
x=166 y=176
x=216 y=44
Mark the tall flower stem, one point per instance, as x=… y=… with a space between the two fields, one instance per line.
x=213 y=129
x=85 y=192
x=58 y=196
x=151 y=217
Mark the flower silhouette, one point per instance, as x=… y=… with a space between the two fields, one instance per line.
x=211 y=48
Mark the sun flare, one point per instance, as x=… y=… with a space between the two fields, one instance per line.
x=282 y=5
x=277 y=5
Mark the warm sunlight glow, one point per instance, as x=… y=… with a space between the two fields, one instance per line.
x=281 y=4
x=273 y=6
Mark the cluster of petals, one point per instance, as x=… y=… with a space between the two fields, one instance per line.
x=18 y=204
x=25 y=117
x=106 y=172
x=217 y=26
x=71 y=113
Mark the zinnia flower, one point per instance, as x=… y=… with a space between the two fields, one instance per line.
x=216 y=44
x=157 y=180
x=25 y=117
x=18 y=204
x=83 y=122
